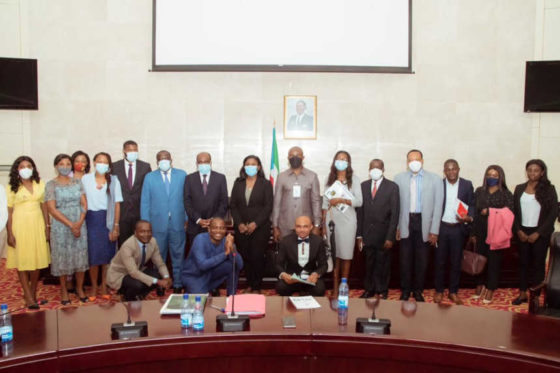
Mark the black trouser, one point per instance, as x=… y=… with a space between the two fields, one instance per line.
x=133 y=289
x=451 y=241
x=490 y=276
x=378 y=269
x=532 y=260
x=127 y=226
x=413 y=254
x=284 y=289
x=252 y=248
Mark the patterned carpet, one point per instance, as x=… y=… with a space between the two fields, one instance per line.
x=12 y=294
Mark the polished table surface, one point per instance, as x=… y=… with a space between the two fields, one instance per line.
x=451 y=337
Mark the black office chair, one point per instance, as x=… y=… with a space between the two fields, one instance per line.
x=551 y=285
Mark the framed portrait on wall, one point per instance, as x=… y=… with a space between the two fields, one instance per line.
x=300 y=117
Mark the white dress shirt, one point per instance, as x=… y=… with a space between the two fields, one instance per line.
x=530 y=210
x=168 y=176
x=207 y=178
x=376 y=183
x=450 y=208
x=126 y=163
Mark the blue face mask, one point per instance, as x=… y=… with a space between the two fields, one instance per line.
x=64 y=171
x=341 y=165
x=204 y=168
x=492 y=181
x=251 y=170
x=164 y=165
x=131 y=156
x=101 y=168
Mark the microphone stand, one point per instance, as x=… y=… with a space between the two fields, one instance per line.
x=129 y=329
x=373 y=325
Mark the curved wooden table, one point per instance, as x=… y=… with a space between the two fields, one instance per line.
x=434 y=337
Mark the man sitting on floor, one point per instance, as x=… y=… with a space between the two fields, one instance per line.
x=304 y=255
x=210 y=261
x=127 y=272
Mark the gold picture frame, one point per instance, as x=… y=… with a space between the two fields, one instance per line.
x=300 y=117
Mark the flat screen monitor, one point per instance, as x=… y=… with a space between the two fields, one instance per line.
x=18 y=84
x=542 y=86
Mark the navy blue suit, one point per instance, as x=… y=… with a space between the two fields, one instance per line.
x=167 y=215
x=451 y=241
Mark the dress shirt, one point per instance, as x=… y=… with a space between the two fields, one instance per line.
x=450 y=209
x=530 y=210
x=377 y=183
x=126 y=163
x=168 y=175
x=303 y=253
x=97 y=198
x=416 y=192
x=140 y=244
x=207 y=177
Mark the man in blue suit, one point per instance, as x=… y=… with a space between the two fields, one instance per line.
x=162 y=206
x=421 y=200
x=453 y=230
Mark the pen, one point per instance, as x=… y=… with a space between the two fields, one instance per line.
x=218 y=308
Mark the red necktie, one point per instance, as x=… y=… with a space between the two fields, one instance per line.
x=204 y=184
x=374 y=191
x=130 y=175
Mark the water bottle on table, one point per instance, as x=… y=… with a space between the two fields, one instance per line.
x=6 y=329
x=198 y=317
x=343 y=302
x=186 y=313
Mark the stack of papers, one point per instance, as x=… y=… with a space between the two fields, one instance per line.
x=174 y=303
x=300 y=279
x=339 y=190
x=253 y=305
x=304 y=303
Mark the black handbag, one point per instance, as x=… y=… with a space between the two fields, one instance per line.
x=473 y=263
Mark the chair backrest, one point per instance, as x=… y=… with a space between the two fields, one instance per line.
x=553 y=278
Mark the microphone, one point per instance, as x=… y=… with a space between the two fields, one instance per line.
x=373 y=325
x=39 y=303
x=130 y=329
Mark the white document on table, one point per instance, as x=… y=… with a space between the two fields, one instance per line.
x=304 y=303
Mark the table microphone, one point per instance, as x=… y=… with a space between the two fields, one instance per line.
x=130 y=329
x=232 y=322
x=40 y=303
x=373 y=325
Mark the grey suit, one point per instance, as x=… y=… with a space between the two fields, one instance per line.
x=415 y=227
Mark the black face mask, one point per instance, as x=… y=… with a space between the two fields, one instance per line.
x=295 y=162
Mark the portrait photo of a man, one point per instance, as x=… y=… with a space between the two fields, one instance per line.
x=300 y=117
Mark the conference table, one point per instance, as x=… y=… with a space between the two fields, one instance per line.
x=424 y=337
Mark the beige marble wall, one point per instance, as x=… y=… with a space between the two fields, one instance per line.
x=465 y=99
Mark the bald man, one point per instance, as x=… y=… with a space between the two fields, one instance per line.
x=206 y=196
x=297 y=193
x=303 y=254
x=210 y=261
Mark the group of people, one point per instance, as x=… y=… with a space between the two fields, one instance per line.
x=118 y=218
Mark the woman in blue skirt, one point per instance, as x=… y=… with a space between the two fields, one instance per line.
x=103 y=193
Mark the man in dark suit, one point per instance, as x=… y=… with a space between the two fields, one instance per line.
x=377 y=226
x=131 y=172
x=301 y=121
x=453 y=230
x=206 y=196
x=303 y=254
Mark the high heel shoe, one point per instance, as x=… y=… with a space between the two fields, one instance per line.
x=84 y=299
x=479 y=292
x=519 y=300
x=488 y=297
x=65 y=302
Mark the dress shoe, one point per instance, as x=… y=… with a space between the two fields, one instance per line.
x=367 y=294
x=519 y=300
x=455 y=299
x=160 y=291
x=418 y=296
x=404 y=296
x=438 y=297
x=384 y=295
x=177 y=290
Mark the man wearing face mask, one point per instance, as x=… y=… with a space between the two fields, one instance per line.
x=421 y=203
x=205 y=196
x=130 y=172
x=297 y=193
x=377 y=226
x=161 y=205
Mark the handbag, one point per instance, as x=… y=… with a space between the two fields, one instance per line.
x=473 y=263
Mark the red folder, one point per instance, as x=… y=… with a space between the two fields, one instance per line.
x=462 y=209
x=253 y=305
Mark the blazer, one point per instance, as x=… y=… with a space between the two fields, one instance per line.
x=258 y=209
x=432 y=202
x=547 y=215
x=162 y=210
x=378 y=217
x=500 y=222
x=287 y=258
x=200 y=206
x=130 y=207
x=465 y=194
x=127 y=262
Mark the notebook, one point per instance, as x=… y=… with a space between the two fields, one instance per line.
x=174 y=303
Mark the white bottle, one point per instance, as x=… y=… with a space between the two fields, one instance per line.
x=186 y=313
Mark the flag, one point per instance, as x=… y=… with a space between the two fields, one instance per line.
x=274 y=165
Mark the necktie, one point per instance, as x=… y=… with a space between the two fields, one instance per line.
x=143 y=255
x=374 y=191
x=166 y=182
x=130 y=181
x=204 y=184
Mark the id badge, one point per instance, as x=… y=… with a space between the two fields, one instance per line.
x=296 y=191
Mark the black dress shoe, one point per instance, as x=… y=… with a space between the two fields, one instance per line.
x=517 y=301
x=367 y=294
x=418 y=296
x=160 y=291
x=404 y=296
x=177 y=290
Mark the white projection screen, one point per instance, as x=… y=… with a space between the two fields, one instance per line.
x=282 y=35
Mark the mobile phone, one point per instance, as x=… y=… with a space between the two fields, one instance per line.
x=288 y=322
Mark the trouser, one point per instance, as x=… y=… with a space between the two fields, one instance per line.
x=174 y=242
x=490 y=276
x=253 y=248
x=413 y=255
x=532 y=260
x=127 y=225
x=378 y=269
x=285 y=289
x=219 y=274
x=451 y=241
x=133 y=289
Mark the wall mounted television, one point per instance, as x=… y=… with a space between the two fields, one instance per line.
x=542 y=86
x=18 y=84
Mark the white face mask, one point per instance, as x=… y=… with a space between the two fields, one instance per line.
x=375 y=173
x=25 y=173
x=415 y=166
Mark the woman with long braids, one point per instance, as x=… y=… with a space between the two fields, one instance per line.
x=103 y=194
x=536 y=209
x=28 y=227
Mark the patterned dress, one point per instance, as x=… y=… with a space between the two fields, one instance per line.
x=69 y=254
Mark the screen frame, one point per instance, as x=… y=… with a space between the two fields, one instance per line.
x=284 y=68
x=532 y=107
x=35 y=93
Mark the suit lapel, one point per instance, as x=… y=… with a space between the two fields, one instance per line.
x=256 y=187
